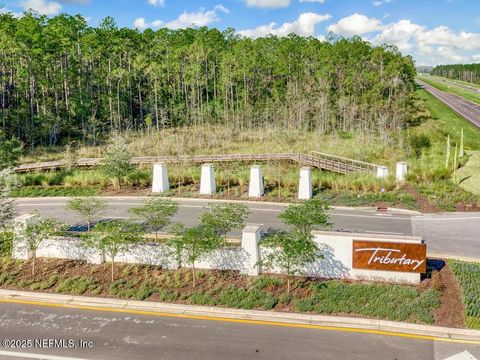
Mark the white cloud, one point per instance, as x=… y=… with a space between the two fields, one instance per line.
x=186 y=19
x=442 y=35
x=272 y=4
x=157 y=2
x=304 y=25
x=44 y=7
x=399 y=34
x=380 y=2
x=476 y=57
x=312 y=1
x=355 y=24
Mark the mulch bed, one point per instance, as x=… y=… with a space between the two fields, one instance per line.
x=449 y=314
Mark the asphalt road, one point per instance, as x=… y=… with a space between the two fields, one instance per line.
x=474 y=89
x=467 y=109
x=131 y=336
x=448 y=234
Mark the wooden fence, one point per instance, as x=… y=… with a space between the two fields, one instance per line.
x=318 y=160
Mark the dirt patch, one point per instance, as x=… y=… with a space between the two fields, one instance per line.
x=425 y=205
x=451 y=311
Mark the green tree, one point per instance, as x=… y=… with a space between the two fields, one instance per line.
x=10 y=151
x=8 y=183
x=290 y=251
x=192 y=244
x=35 y=234
x=156 y=213
x=117 y=159
x=223 y=218
x=89 y=208
x=113 y=238
x=306 y=217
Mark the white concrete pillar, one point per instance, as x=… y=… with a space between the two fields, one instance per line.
x=160 y=178
x=305 y=184
x=255 y=186
x=382 y=172
x=19 y=246
x=251 y=236
x=402 y=169
x=207 y=180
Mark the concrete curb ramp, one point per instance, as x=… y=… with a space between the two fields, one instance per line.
x=382 y=327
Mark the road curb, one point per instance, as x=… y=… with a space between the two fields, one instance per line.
x=391 y=328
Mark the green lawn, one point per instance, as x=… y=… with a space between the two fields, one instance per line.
x=450 y=122
x=469 y=175
x=451 y=88
x=468 y=276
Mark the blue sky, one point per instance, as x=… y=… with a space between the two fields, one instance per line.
x=432 y=31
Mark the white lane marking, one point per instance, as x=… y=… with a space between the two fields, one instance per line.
x=37 y=356
x=369 y=216
x=465 y=355
x=444 y=219
x=387 y=232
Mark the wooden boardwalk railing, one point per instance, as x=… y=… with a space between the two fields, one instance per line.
x=319 y=160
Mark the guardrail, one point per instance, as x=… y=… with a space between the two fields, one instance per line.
x=319 y=160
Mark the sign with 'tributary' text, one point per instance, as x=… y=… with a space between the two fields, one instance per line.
x=389 y=256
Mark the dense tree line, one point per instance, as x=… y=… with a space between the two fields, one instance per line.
x=61 y=79
x=465 y=72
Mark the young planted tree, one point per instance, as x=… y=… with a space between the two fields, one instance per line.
x=191 y=244
x=114 y=237
x=89 y=208
x=306 y=217
x=292 y=250
x=157 y=213
x=223 y=218
x=289 y=251
x=35 y=234
x=117 y=159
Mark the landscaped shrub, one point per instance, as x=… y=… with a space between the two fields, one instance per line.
x=6 y=244
x=419 y=143
x=166 y=295
x=468 y=275
x=200 y=298
x=394 y=302
x=123 y=288
x=44 y=285
x=77 y=285
x=246 y=299
x=144 y=291
x=263 y=282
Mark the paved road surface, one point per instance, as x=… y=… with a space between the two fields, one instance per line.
x=450 y=234
x=130 y=336
x=467 y=109
x=473 y=88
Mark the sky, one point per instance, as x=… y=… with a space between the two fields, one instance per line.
x=432 y=31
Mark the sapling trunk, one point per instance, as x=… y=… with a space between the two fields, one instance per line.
x=33 y=266
x=193 y=276
x=113 y=268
